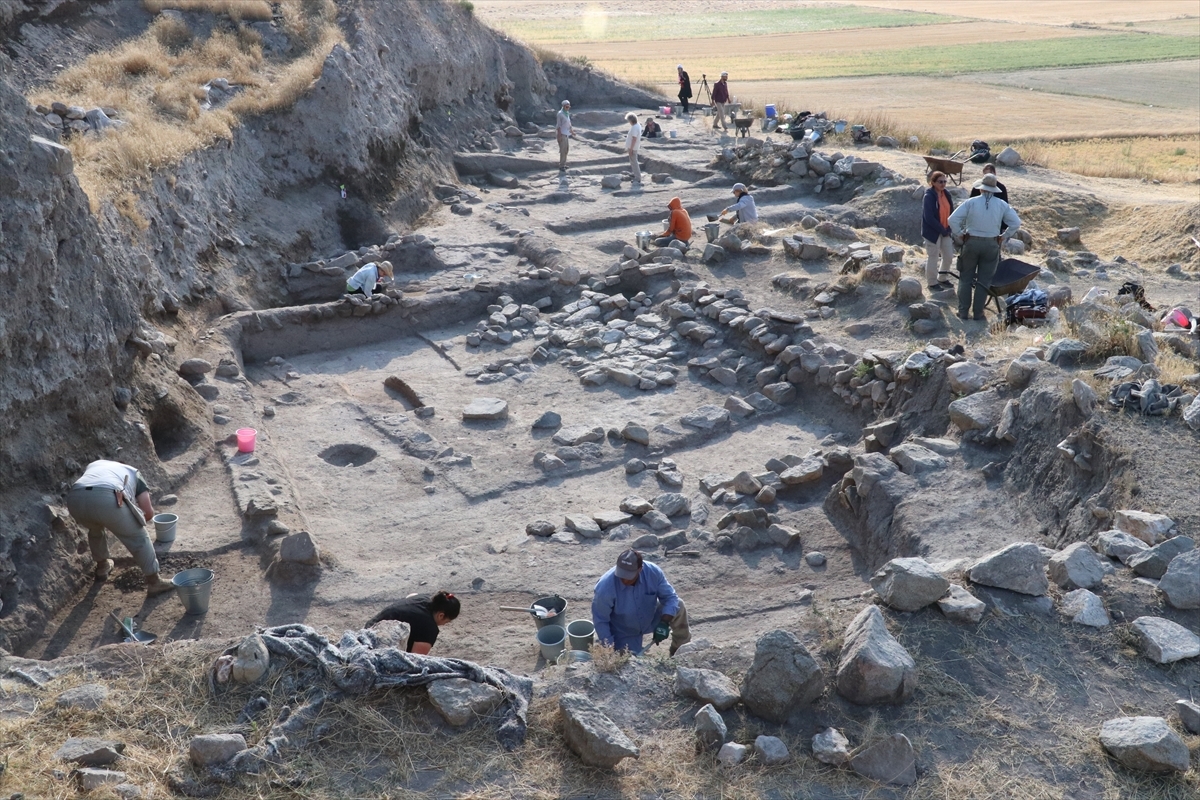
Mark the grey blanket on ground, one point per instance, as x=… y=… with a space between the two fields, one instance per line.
x=357 y=665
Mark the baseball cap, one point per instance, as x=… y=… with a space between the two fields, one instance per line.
x=628 y=565
x=739 y=187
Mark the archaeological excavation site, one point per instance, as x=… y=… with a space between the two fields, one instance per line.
x=921 y=556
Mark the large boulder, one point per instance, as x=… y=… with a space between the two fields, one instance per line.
x=909 y=584
x=770 y=750
x=1020 y=567
x=914 y=459
x=1119 y=544
x=978 y=411
x=1150 y=528
x=1164 y=641
x=967 y=377
x=460 y=701
x=591 y=734
x=1084 y=608
x=1076 y=567
x=90 y=751
x=707 y=685
x=959 y=605
x=782 y=677
x=1146 y=744
x=874 y=668
x=889 y=761
x=1153 y=561
x=215 y=748
x=831 y=747
x=1181 y=583
x=711 y=731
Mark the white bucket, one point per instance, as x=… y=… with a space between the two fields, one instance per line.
x=671 y=134
x=164 y=527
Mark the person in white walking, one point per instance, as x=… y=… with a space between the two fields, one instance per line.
x=633 y=141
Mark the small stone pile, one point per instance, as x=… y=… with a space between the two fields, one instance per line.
x=78 y=120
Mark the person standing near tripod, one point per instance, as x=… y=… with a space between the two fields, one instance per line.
x=685 y=88
x=720 y=96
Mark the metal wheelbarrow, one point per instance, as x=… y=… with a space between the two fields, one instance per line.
x=1012 y=276
x=951 y=166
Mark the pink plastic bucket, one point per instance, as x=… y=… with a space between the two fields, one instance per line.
x=245 y=439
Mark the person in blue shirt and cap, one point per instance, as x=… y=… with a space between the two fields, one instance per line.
x=635 y=598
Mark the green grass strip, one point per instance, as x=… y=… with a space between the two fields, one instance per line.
x=1075 y=51
x=588 y=28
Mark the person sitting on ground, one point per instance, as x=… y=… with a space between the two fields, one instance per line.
x=679 y=227
x=367 y=279
x=113 y=495
x=635 y=598
x=990 y=169
x=935 y=230
x=744 y=207
x=980 y=219
x=651 y=129
x=424 y=615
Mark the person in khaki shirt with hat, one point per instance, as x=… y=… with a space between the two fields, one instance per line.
x=635 y=598
x=981 y=220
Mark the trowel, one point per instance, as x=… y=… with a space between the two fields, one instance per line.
x=132 y=634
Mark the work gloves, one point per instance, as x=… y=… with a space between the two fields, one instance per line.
x=661 y=632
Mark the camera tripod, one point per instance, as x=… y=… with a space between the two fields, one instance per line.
x=703 y=90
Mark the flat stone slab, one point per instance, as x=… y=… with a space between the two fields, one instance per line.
x=889 y=761
x=486 y=408
x=1146 y=744
x=1164 y=641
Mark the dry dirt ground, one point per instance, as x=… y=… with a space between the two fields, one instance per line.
x=1013 y=703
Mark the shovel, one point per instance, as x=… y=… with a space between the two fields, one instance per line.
x=537 y=611
x=132 y=634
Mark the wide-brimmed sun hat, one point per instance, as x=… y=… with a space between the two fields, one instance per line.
x=987 y=184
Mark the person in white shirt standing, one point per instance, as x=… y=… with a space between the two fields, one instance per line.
x=564 y=131
x=980 y=220
x=633 y=141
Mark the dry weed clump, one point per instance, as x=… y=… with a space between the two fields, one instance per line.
x=237 y=10
x=606 y=659
x=157 y=84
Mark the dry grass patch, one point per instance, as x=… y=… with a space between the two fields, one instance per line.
x=156 y=82
x=1174 y=159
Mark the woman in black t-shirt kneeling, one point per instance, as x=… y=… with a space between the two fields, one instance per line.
x=424 y=615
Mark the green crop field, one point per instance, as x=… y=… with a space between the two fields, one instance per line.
x=953 y=59
x=595 y=26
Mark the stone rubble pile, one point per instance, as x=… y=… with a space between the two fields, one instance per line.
x=792 y=162
x=73 y=120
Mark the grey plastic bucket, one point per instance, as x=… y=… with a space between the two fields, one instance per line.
x=558 y=611
x=580 y=634
x=164 y=527
x=194 y=587
x=552 y=640
x=712 y=231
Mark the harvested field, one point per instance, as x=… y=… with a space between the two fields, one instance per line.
x=1055 y=12
x=1189 y=26
x=936 y=105
x=897 y=55
x=1171 y=83
x=632 y=22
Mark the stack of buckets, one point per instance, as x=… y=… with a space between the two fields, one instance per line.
x=558 y=643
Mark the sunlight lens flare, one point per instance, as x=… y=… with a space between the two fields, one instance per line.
x=594 y=22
